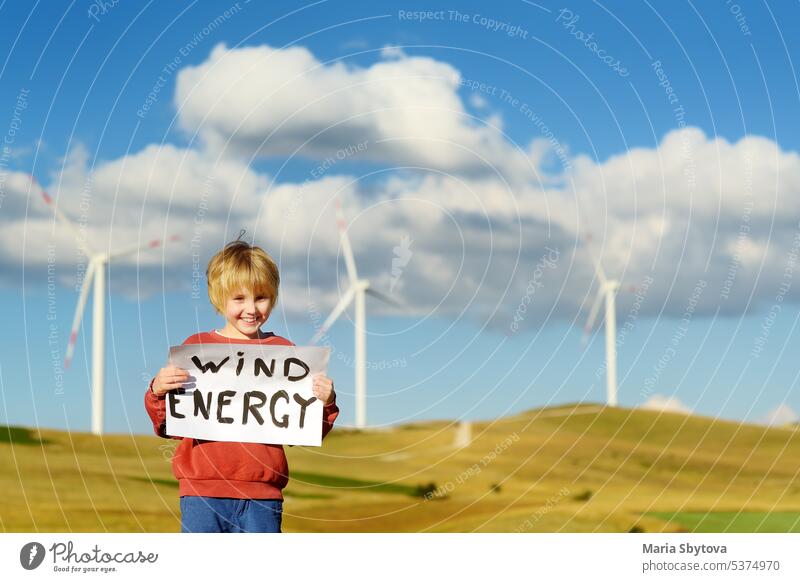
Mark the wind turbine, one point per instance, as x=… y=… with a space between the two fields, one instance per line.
x=96 y=270
x=357 y=291
x=607 y=291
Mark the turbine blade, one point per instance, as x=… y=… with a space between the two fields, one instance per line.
x=337 y=311
x=347 y=250
x=76 y=321
x=385 y=298
x=587 y=329
x=598 y=267
x=153 y=244
x=82 y=244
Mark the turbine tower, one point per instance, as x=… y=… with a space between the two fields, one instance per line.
x=607 y=291
x=98 y=263
x=357 y=291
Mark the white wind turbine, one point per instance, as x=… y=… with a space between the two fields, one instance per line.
x=607 y=291
x=96 y=270
x=357 y=290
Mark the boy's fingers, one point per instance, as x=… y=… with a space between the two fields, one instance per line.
x=173 y=382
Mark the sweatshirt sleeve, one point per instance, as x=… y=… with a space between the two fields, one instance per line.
x=156 y=407
x=329 y=414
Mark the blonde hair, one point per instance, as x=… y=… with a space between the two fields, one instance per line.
x=241 y=266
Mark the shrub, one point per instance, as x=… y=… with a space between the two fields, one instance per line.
x=427 y=491
x=585 y=496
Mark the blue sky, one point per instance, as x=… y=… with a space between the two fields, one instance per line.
x=85 y=74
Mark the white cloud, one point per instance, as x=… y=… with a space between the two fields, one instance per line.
x=687 y=209
x=477 y=101
x=666 y=404
x=284 y=102
x=781 y=415
x=393 y=52
x=157 y=192
x=477 y=239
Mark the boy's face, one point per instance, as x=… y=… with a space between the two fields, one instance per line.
x=246 y=313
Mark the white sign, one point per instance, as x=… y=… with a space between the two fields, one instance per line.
x=252 y=393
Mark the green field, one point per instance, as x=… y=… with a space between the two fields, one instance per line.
x=566 y=469
x=735 y=522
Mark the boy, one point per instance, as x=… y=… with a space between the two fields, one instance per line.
x=229 y=486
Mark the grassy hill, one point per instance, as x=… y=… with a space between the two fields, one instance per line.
x=575 y=468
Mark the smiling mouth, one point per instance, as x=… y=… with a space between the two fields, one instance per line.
x=250 y=321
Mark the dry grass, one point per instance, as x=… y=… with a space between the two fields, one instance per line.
x=571 y=469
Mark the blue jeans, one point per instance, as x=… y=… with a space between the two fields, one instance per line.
x=226 y=515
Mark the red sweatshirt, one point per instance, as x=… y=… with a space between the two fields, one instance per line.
x=226 y=469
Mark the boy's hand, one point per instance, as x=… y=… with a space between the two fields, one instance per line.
x=323 y=388
x=169 y=378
